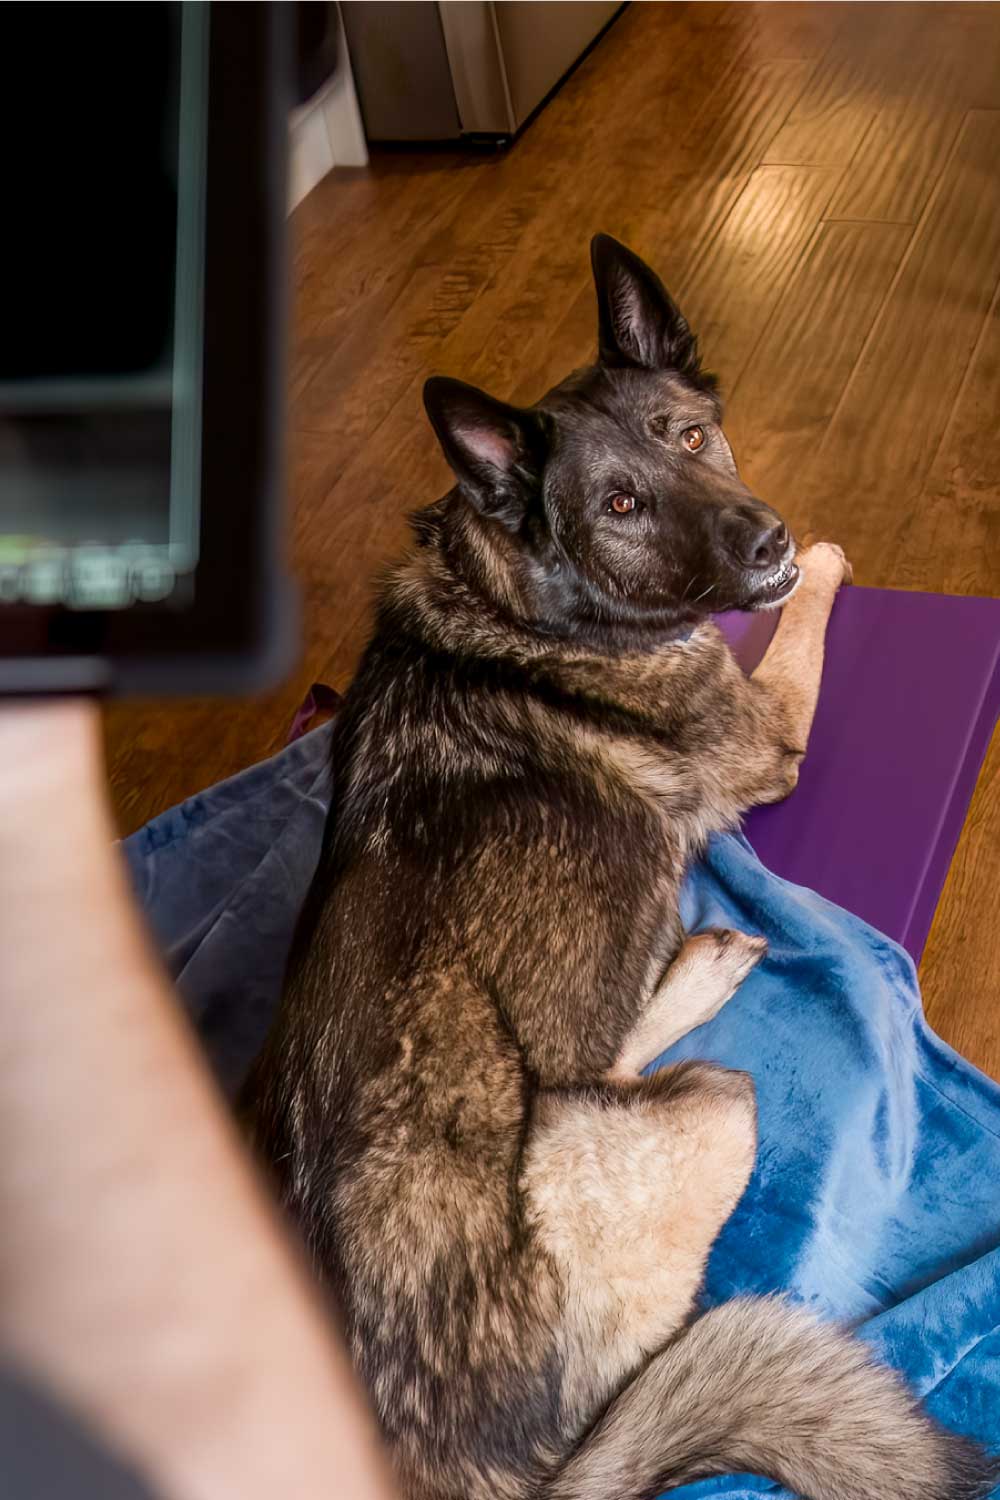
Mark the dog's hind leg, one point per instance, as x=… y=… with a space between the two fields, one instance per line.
x=626 y=1187
x=706 y=973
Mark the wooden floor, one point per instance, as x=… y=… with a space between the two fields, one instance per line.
x=820 y=187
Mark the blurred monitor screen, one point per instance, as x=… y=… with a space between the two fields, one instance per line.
x=100 y=389
x=141 y=359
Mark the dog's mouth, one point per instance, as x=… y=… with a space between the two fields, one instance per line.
x=777 y=586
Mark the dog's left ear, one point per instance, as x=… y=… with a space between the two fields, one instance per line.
x=639 y=323
x=496 y=451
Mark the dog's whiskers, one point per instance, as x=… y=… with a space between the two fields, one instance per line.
x=711 y=586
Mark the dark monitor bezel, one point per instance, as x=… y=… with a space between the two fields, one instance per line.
x=238 y=632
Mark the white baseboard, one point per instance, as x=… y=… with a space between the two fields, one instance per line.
x=326 y=132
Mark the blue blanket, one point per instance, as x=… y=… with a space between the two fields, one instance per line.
x=876 y=1195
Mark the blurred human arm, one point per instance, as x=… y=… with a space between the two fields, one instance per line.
x=143 y=1275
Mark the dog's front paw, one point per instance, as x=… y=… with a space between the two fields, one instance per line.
x=825 y=562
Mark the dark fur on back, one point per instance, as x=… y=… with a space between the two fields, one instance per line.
x=542 y=731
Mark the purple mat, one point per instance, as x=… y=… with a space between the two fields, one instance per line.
x=910 y=697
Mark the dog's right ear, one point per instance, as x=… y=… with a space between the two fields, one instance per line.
x=496 y=451
x=639 y=323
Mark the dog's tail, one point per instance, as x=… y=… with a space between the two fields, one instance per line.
x=759 y=1386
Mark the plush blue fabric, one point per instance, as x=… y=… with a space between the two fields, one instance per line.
x=222 y=878
x=876 y=1196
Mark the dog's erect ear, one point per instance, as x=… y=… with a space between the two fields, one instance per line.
x=638 y=322
x=496 y=451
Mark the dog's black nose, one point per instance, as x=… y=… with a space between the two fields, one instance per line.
x=764 y=545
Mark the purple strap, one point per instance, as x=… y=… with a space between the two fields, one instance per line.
x=320 y=699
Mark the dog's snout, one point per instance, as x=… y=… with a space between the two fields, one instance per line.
x=763 y=543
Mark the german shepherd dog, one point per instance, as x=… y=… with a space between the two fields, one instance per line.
x=543 y=731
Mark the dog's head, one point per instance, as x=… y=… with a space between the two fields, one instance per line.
x=617 y=493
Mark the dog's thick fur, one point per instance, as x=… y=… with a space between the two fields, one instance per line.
x=543 y=731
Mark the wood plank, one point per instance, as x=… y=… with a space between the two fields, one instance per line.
x=729 y=293
x=954 y=531
x=781 y=406
x=954 y=538
x=871 y=464
x=793 y=29
x=336 y=289
x=961 y=962
x=952 y=66
x=840 y=104
x=390 y=205
x=741 y=115
x=673 y=219
x=898 y=163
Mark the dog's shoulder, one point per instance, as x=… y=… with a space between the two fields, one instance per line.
x=421 y=721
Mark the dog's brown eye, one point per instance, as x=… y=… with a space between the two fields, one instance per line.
x=693 y=438
x=621 y=504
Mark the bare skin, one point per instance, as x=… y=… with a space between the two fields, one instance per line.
x=144 y=1278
